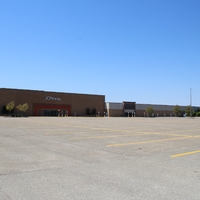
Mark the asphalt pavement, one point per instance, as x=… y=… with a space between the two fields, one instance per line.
x=99 y=158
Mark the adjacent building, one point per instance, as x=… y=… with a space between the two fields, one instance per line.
x=135 y=109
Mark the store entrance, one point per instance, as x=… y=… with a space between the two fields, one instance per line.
x=129 y=114
x=52 y=110
x=51 y=113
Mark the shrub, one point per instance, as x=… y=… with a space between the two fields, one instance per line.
x=88 y=111
x=94 y=111
x=5 y=111
x=22 y=107
x=198 y=114
x=187 y=111
x=177 y=110
x=150 y=111
x=10 y=106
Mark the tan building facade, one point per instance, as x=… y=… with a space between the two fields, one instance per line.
x=118 y=109
x=44 y=103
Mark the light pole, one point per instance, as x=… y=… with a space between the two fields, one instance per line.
x=190 y=102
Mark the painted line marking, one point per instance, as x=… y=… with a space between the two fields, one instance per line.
x=64 y=133
x=185 y=154
x=101 y=137
x=125 y=135
x=150 y=141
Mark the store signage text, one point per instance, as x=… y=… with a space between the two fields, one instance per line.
x=48 y=98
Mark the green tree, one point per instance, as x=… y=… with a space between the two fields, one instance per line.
x=10 y=106
x=198 y=114
x=188 y=110
x=23 y=107
x=149 y=111
x=177 y=110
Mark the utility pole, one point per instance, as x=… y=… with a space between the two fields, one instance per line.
x=191 y=102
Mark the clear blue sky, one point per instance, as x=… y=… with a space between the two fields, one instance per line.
x=146 y=51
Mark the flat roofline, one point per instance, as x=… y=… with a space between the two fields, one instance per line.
x=150 y=104
x=50 y=91
x=164 y=104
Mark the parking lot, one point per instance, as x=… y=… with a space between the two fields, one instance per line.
x=99 y=158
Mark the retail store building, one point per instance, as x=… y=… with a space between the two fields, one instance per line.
x=44 y=103
x=132 y=109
